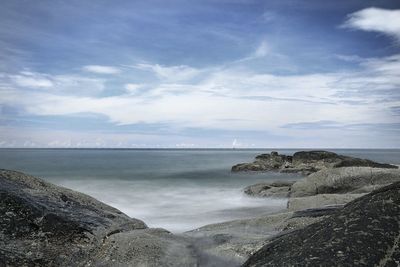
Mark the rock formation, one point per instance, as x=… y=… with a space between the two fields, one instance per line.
x=364 y=233
x=305 y=162
x=344 y=180
x=46 y=225
x=274 y=189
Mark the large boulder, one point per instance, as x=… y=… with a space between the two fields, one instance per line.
x=46 y=225
x=344 y=180
x=305 y=162
x=365 y=232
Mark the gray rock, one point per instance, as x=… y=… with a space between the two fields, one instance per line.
x=147 y=247
x=231 y=243
x=274 y=189
x=364 y=233
x=317 y=212
x=265 y=162
x=46 y=225
x=305 y=162
x=344 y=180
x=320 y=201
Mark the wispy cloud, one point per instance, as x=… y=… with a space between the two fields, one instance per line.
x=133 y=88
x=260 y=71
x=64 y=84
x=377 y=20
x=30 y=79
x=101 y=69
x=230 y=99
x=170 y=73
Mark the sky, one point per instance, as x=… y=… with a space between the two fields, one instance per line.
x=200 y=74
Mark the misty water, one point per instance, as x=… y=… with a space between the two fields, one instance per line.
x=178 y=190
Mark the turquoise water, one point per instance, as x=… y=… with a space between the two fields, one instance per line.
x=175 y=189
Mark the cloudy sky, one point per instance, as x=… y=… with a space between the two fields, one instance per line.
x=278 y=73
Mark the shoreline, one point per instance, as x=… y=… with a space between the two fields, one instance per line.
x=103 y=235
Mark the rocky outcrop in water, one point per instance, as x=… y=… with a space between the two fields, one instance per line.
x=274 y=189
x=365 y=232
x=305 y=162
x=46 y=225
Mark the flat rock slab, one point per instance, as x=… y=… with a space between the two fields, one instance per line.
x=366 y=232
x=344 y=180
x=320 y=201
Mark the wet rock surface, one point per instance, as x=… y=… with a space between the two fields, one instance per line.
x=365 y=232
x=305 y=162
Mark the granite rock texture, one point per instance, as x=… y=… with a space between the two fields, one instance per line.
x=46 y=225
x=365 y=232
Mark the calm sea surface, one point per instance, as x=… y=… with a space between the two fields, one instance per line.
x=175 y=189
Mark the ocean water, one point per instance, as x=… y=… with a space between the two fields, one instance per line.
x=177 y=189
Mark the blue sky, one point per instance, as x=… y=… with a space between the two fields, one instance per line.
x=200 y=73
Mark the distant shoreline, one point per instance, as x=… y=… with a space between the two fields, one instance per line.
x=190 y=149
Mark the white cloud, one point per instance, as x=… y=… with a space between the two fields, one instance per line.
x=236 y=100
x=172 y=73
x=376 y=19
x=101 y=69
x=59 y=84
x=32 y=80
x=133 y=88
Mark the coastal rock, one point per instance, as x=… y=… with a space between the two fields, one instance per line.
x=236 y=240
x=344 y=180
x=147 y=247
x=265 y=162
x=46 y=225
x=319 y=201
x=305 y=162
x=365 y=232
x=274 y=189
x=231 y=243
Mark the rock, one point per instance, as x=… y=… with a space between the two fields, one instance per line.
x=46 y=225
x=264 y=162
x=235 y=240
x=274 y=189
x=325 y=159
x=305 y=162
x=344 y=180
x=364 y=233
x=231 y=243
x=317 y=212
x=320 y=201
x=147 y=247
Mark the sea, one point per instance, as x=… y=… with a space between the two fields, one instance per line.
x=176 y=189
